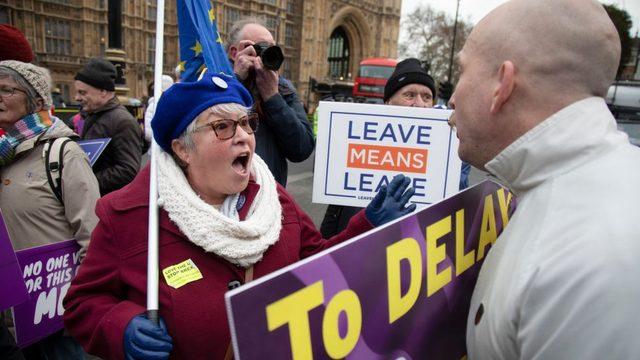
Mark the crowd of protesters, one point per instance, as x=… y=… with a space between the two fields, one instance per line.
x=552 y=287
x=210 y=172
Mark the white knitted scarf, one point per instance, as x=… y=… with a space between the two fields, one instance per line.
x=240 y=242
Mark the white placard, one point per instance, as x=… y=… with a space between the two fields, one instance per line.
x=361 y=147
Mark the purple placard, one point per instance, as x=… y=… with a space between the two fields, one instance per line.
x=94 y=148
x=13 y=290
x=337 y=304
x=47 y=271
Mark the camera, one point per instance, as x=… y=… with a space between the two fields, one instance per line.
x=271 y=55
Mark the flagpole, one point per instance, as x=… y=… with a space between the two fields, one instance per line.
x=152 y=259
x=453 y=45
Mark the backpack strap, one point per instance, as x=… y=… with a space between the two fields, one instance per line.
x=53 y=163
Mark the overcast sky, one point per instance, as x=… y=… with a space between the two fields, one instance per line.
x=474 y=10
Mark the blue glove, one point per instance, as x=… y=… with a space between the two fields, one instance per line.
x=145 y=340
x=389 y=203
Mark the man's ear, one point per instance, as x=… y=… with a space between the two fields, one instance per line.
x=180 y=151
x=505 y=86
x=105 y=95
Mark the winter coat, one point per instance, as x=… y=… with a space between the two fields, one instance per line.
x=120 y=161
x=31 y=211
x=284 y=133
x=561 y=280
x=110 y=288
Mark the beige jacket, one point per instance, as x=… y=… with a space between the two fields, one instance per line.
x=32 y=213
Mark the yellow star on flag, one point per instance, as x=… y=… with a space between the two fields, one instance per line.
x=212 y=15
x=219 y=39
x=181 y=65
x=197 y=48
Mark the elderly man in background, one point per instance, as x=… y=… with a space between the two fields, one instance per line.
x=104 y=117
x=409 y=85
x=285 y=134
x=559 y=282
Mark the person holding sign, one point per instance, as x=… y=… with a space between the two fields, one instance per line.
x=32 y=210
x=560 y=282
x=104 y=117
x=224 y=220
x=42 y=203
x=409 y=85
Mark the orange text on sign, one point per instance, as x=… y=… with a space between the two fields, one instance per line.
x=392 y=158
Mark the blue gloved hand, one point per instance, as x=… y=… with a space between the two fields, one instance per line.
x=145 y=340
x=389 y=203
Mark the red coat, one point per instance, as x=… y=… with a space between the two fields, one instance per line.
x=110 y=288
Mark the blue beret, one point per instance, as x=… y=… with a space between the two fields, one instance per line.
x=183 y=102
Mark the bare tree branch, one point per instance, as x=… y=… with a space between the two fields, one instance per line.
x=429 y=34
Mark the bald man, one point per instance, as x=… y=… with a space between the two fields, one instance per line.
x=561 y=282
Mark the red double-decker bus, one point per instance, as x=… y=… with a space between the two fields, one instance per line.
x=372 y=77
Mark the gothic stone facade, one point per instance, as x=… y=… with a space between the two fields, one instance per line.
x=322 y=39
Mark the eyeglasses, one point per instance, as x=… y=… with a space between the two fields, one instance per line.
x=226 y=128
x=8 y=92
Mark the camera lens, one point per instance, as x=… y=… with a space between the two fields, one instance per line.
x=271 y=55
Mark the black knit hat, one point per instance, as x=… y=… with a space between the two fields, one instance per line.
x=98 y=73
x=408 y=71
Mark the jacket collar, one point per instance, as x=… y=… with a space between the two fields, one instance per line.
x=57 y=130
x=561 y=143
x=111 y=104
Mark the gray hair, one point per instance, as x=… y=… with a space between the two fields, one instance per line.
x=234 y=33
x=221 y=110
x=32 y=94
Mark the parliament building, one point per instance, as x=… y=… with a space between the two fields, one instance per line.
x=322 y=40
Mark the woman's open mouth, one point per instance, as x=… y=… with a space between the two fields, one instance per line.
x=241 y=163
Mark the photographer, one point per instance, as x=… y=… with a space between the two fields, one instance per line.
x=285 y=134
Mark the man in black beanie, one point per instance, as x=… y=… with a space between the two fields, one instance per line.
x=410 y=85
x=104 y=117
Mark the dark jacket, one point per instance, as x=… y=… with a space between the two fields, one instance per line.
x=110 y=288
x=120 y=161
x=284 y=132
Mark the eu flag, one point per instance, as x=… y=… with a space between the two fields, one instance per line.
x=200 y=43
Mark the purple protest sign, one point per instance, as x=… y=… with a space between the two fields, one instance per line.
x=47 y=271
x=400 y=291
x=13 y=290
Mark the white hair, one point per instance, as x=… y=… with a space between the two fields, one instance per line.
x=234 y=35
x=222 y=110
